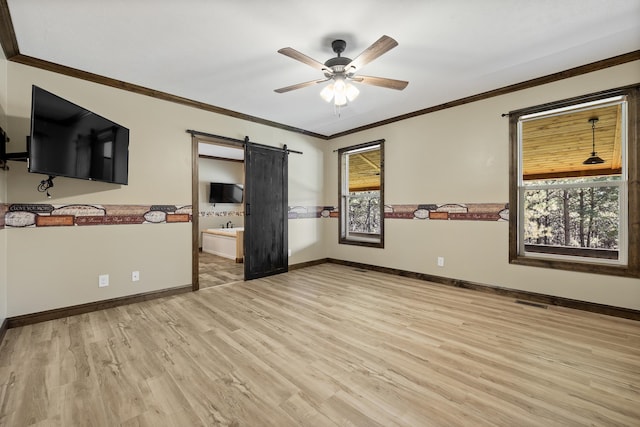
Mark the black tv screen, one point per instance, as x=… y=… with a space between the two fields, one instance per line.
x=225 y=193
x=71 y=141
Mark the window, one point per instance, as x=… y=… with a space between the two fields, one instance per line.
x=573 y=188
x=361 y=182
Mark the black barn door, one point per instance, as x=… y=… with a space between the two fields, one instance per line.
x=265 y=223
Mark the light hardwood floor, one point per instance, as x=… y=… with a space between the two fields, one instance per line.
x=215 y=270
x=324 y=346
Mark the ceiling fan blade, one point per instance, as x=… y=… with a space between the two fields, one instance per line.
x=299 y=85
x=381 y=46
x=381 y=81
x=294 y=54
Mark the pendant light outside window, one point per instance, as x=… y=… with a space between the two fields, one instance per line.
x=594 y=159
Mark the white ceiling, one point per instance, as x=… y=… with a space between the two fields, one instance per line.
x=224 y=52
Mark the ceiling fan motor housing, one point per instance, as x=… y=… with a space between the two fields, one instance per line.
x=338 y=46
x=338 y=63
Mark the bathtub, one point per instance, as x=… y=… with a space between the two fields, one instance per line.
x=224 y=242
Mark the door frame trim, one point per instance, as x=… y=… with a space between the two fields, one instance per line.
x=196 y=139
x=209 y=138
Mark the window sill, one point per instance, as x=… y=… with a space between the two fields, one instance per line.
x=362 y=240
x=584 y=253
x=606 y=267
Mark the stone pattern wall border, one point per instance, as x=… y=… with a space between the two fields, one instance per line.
x=26 y=215
x=426 y=211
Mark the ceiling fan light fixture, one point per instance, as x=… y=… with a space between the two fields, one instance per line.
x=593 y=159
x=339 y=85
x=327 y=92
x=339 y=99
x=341 y=70
x=352 y=92
x=340 y=92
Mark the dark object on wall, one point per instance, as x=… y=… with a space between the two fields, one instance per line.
x=71 y=141
x=225 y=193
x=4 y=156
x=265 y=221
x=3 y=149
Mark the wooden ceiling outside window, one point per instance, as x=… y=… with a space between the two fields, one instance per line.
x=552 y=147
x=364 y=171
x=556 y=146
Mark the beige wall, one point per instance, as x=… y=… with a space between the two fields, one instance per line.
x=306 y=181
x=455 y=155
x=3 y=191
x=461 y=155
x=57 y=267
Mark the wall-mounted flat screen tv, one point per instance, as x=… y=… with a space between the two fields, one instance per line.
x=71 y=141
x=225 y=193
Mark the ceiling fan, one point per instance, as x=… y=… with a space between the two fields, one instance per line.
x=342 y=70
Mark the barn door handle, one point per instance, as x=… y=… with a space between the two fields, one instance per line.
x=247 y=210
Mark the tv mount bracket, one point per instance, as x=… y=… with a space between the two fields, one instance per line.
x=4 y=156
x=3 y=141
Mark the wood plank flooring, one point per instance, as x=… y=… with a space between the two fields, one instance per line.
x=326 y=345
x=215 y=270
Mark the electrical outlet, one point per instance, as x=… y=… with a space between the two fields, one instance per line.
x=103 y=280
x=440 y=261
x=135 y=276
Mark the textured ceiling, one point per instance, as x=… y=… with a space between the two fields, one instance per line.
x=224 y=53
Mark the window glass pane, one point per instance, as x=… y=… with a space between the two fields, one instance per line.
x=580 y=217
x=364 y=212
x=560 y=182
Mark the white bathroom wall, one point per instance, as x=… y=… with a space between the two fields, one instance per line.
x=218 y=214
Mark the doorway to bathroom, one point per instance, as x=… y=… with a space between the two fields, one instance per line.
x=254 y=223
x=218 y=212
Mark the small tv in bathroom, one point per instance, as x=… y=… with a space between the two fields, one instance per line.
x=225 y=193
